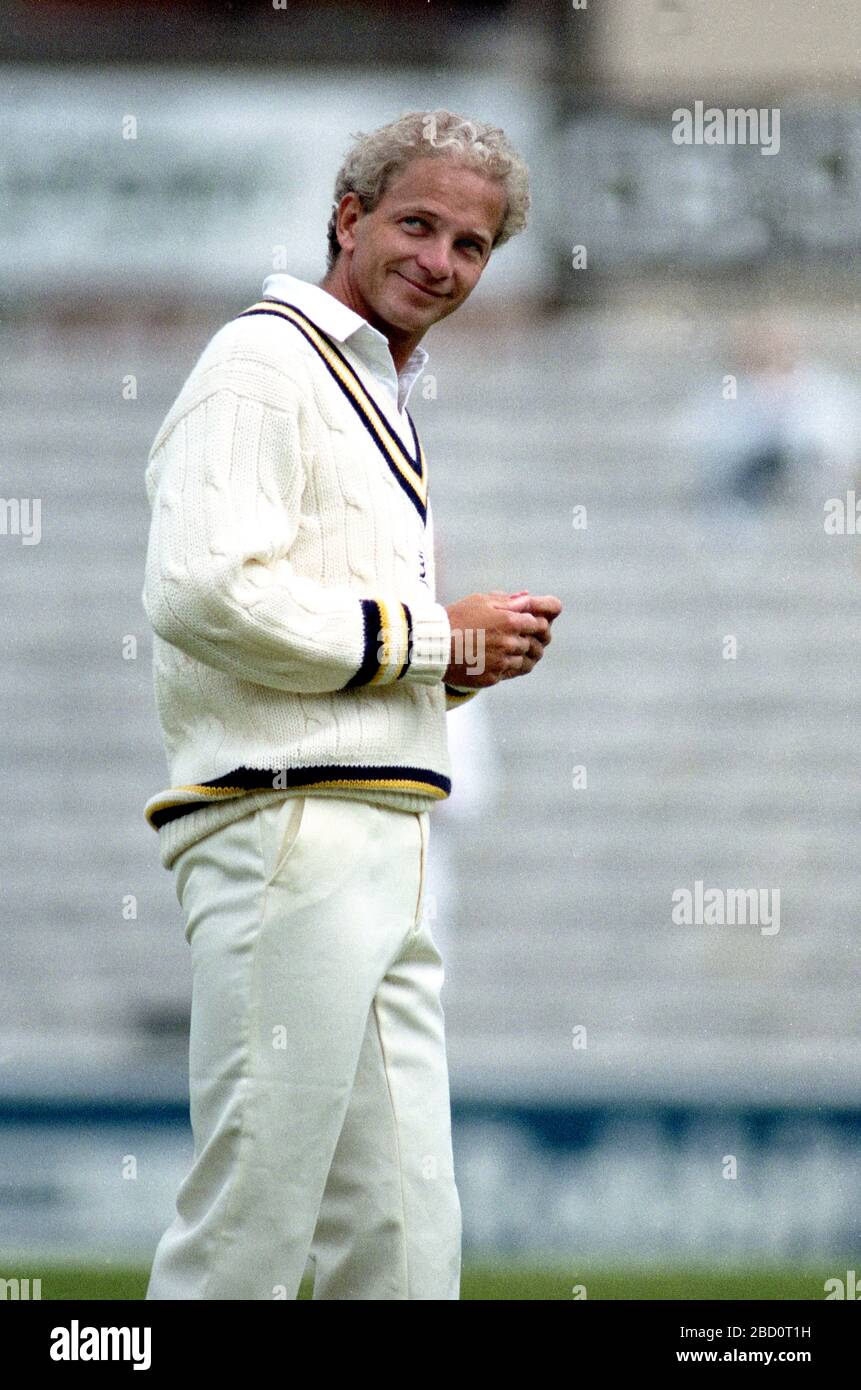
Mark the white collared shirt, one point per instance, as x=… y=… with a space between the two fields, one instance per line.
x=364 y=346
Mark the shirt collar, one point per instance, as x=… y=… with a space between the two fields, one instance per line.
x=349 y=328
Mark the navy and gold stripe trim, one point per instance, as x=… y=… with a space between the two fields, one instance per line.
x=458 y=697
x=245 y=779
x=408 y=618
x=388 y=644
x=410 y=472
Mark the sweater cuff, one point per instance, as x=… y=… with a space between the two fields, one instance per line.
x=403 y=641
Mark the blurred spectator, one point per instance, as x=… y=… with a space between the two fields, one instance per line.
x=773 y=425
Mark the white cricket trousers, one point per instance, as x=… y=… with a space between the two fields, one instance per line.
x=318 y=1079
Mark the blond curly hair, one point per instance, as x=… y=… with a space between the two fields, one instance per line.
x=378 y=156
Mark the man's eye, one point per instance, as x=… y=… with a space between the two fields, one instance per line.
x=414 y=219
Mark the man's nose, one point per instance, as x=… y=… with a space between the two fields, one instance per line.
x=435 y=259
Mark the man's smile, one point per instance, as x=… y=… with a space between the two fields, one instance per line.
x=434 y=294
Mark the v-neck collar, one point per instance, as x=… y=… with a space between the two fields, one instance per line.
x=409 y=469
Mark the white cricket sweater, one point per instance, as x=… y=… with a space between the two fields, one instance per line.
x=298 y=646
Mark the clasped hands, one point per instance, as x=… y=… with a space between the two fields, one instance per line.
x=498 y=636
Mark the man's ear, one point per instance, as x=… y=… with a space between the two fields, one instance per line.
x=349 y=211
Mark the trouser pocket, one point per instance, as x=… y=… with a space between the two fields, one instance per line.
x=422 y=818
x=280 y=832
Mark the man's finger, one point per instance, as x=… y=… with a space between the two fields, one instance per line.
x=548 y=605
x=543 y=605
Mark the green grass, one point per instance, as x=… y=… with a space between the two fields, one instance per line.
x=485 y=1283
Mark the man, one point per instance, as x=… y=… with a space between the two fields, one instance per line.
x=303 y=672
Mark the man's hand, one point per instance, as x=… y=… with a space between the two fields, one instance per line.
x=497 y=636
x=546 y=606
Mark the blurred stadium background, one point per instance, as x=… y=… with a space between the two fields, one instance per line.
x=647 y=408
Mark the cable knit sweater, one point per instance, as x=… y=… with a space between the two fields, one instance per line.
x=298 y=646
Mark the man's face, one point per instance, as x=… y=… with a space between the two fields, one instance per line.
x=420 y=253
